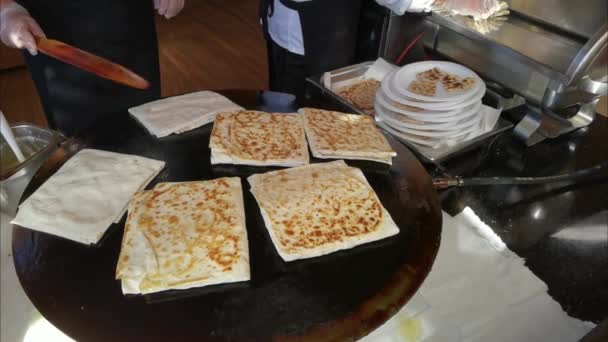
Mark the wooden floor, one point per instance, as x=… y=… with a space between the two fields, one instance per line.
x=212 y=44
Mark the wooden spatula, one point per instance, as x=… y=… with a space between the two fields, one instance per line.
x=91 y=63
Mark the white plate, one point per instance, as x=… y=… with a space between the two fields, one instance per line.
x=393 y=120
x=392 y=95
x=407 y=74
x=425 y=141
x=447 y=134
x=428 y=115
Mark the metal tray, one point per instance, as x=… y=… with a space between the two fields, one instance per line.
x=49 y=137
x=435 y=156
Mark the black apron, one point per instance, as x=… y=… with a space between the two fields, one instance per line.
x=329 y=31
x=122 y=31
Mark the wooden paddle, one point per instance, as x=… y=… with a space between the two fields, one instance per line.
x=91 y=63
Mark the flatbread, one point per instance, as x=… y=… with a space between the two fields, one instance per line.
x=361 y=94
x=184 y=235
x=259 y=138
x=453 y=83
x=423 y=88
x=345 y=136
x=431 y=75
x=318 y=209
x=182 y=113
x=86 y=195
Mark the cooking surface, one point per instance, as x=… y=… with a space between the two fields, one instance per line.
x=342 y=295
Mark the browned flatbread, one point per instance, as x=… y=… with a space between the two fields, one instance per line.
x=345 y=136
x=452 y=83
x=362 y=94
x=423 y=88
x=318 y=209
x=258 y=138
x=431 y=75
x=183 y=235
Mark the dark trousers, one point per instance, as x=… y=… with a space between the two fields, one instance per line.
x=122 y=31
x=286 y=70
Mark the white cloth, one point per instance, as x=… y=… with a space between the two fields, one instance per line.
x=182 y=113
x=285 y=29
x=478 y=290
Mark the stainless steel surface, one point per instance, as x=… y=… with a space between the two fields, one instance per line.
x=541 y=45
x=526 y=129
x=506 y=103
x=515 y=71
x=553 y=53
x=579 y=84
x=592 y=56
x=578 y=89
x=578 y=17
x=442 y=154
x=51 y=139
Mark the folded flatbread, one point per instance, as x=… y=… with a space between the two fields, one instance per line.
x=259 y=138
x=87 y=194
x=345 y=136
x=318 y=209
x=184 y=235
x=182 y=113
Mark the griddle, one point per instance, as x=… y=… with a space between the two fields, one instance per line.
x=338 y=297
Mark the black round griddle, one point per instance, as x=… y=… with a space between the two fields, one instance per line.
x=341 y=296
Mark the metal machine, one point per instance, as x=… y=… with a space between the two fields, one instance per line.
x=550 y=55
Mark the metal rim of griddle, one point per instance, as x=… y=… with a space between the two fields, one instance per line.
x=33 y=249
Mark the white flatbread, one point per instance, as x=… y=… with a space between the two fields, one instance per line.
x=184 y=235
x=86 y=195
x=317 y=209
x=259 y=138
x=182 y=113
x=345 y=136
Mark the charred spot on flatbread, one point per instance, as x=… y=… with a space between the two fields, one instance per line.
x=431 y=75
x=453 y=83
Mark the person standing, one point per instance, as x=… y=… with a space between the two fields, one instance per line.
x=121 y=31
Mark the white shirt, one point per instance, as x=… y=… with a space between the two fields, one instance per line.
x=285 y=29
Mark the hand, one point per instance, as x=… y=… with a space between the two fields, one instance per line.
x=169 y=8
x=18 y=28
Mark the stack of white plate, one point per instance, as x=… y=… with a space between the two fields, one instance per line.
x=432 y=121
